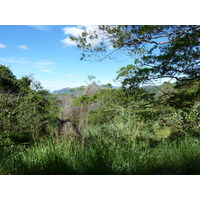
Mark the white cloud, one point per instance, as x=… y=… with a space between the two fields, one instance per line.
x=75 y=31
x=2 y=45
x=45 y=70
x=40 y=27
x=15 y=60
x=23 y=47
x=68 y=75
x=78 y=30
x=42 y=64
x=45 y=63
x=68 y=42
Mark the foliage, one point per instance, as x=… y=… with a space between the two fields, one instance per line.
x=25 y=112
x=130 y=130
x=159 y=52
x=104 y=152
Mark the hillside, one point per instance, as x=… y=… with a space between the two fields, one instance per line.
x=68 y=90
x=65 y=91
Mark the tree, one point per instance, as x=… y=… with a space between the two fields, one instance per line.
x=27 y=111
x=159 y=51
x=10 y=84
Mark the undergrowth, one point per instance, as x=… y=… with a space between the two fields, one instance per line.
x=105 y=150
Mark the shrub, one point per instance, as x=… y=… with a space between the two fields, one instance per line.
x=26 y=113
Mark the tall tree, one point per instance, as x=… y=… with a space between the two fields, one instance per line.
x=8 y=82
x=159 y=51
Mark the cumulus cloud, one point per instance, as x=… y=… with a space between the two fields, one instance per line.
x=68 y=42
x=2 y=45
x=24 y=47
x=76 y=31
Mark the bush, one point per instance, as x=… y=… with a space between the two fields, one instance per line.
x=25 y=113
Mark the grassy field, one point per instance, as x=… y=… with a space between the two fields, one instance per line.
x=103 y=152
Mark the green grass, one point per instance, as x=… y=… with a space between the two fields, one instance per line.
x=105 y=151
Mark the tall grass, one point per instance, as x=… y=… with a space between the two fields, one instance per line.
x=105 y=150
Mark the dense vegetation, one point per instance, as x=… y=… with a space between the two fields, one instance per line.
x=101 y=130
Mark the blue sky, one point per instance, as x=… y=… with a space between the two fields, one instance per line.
x=46 y=52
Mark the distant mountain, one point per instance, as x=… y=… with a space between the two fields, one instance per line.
x=72 y=90
x=65 y=91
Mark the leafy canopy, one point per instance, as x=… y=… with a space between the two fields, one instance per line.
x=159 y=51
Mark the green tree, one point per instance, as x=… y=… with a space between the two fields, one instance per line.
x=27 y=111
x=8 y=82
x=159 y=51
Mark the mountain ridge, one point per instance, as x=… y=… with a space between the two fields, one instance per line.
x=69 y=90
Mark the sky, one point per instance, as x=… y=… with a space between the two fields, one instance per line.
x=46 y=53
